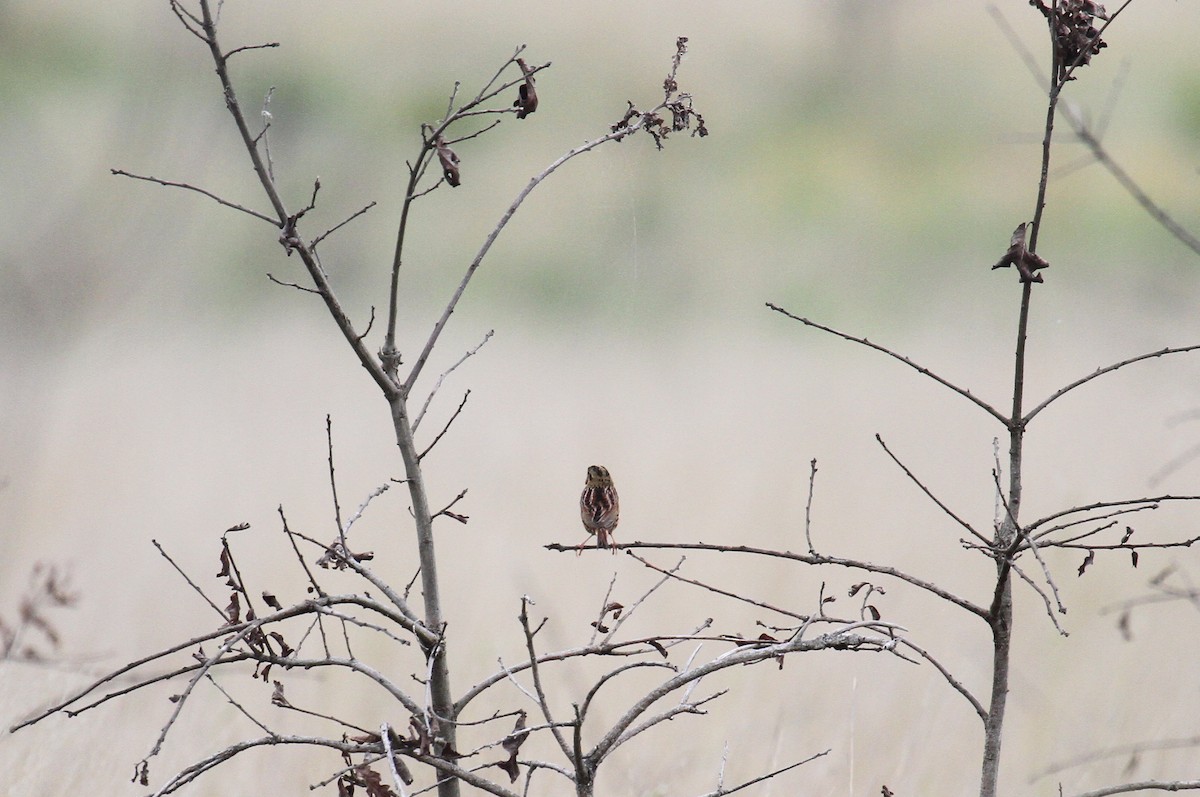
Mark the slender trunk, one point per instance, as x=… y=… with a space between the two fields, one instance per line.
x=1007 y=536
x=441 y=700
x=993 y=727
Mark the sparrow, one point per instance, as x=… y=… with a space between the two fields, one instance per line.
x=599 y=506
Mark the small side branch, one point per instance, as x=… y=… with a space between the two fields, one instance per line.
x=209 y=194
x=988 y=408
x=445 y=428
x=313 y=243
x=929 y=493
x=1106 y=370
x=437 y=385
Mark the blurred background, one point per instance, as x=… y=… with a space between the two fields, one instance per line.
x=867 y=164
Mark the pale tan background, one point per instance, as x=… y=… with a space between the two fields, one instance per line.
x=868 y=162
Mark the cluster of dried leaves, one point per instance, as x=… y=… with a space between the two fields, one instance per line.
x=1073 y=27
x=678 y=104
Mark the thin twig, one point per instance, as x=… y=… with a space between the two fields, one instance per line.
x=812 y=478
x=1152 y=501
x=188 y=579
x=190 y=187
x=725 y=593
x=313 y=243
x=988 y=408
x=477 y=261
x=955 y=684
x=437 y=385
x=445 y=428
x=929 y=493
x=285 y=284
x=721 y=791
x=1105 y=370
x=1042 y=594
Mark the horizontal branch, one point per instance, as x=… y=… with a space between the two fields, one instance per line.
x=808 y=559
x=1145 y=785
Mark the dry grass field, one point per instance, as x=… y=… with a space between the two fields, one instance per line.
x=866 y=166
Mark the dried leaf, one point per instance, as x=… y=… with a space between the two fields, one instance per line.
x=284 y=649
x=512 y=743
x=373 y=782
x=449 y=160
x=527 y=101
x=233 y=611
x=277 y=698
x=1133 y=555
x=1087 y=561
x=510 y=767
x=271 y=601
x=1018 y=255
x=658 y=646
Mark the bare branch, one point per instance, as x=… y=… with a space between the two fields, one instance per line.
x=1042 y=594
x=195 y=587
x=542 y=702
x=812 y=478
x=277 y=281
x=445 y=428
x=672 y=574
x=1105 y=370
x=437 y=385
x=721 y=791
x=588 y=146
x=950 y=679
x=1150 y=502
x=810 y=559
x=313 y=243
x=988 y=408
x=929 y=493
x=1145 y=785
x=190 y=187
x=246 y=47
